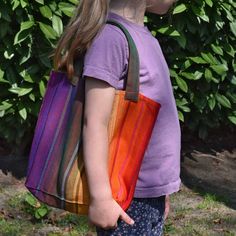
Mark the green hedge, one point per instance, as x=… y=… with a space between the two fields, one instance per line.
x=28 y=33
x=200 y=50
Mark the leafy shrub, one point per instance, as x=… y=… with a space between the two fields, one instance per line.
x=28 y=33
x=200 y=50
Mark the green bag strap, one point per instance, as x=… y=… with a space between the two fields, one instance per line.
x=132 y=80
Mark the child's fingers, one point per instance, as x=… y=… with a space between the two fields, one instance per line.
x=126 y=218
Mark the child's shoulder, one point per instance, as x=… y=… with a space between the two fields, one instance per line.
x=111 y=34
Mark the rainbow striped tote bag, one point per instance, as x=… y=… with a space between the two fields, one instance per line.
x=56 y=173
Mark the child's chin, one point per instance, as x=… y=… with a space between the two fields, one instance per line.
x=158 y=11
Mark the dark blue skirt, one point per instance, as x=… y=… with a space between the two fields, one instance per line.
x=148 y=214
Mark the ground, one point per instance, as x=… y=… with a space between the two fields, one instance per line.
x=205 y=205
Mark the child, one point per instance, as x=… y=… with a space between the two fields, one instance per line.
x=105 y=67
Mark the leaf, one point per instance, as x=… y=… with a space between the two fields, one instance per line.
x=208 y=75
x=4 y=81
x=57 y=24
x=48 y=31
x=30 y=200
x=2 y=113
x=27 y=78
x=228 y=10
x=14 y=90
x=186 y=64
x=66 y=8
x=181 y=102
x=32 y=97
x=8 y=55
x=22 y=35
x=26 y=25
x=229 y=49
x=233 y=80
x=5 y=105
x=1 y=74
x=209 y=3
x=198 y=60
x=40 y=1
x=23 y=3
x=208 y=57
x=75 y=2
x=46 y=12
x=26 y=56
x=15 y=5
x=211 y=103
x=232 y=119
x=180 y=8
x=184 y=108
x=224 y=101
x=24 y=91
x=205 y=18
x=198 y=75
x=232 y=96
x=217 y=49
x=220 y=23
x=42 y=211
x=42 y=88
x=182 y=40
x=173 y=73
x=188 y=75
x=23 y=113
x=182 y=84
x=220 y=69
x=168 y=30
x=233 y=27
x=181 y=116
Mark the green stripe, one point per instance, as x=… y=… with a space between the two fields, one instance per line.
x=132 y=80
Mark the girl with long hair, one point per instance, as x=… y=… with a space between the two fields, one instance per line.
x=105 y=51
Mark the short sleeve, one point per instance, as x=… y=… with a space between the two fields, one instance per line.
x=106 y=59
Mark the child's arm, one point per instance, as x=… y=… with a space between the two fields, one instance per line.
x=103 y=210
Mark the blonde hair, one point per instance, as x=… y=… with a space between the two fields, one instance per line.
x=90 y=16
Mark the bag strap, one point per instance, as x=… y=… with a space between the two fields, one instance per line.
x=131 y=83
x=132 y=80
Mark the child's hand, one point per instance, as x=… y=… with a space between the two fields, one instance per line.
x=105 y=214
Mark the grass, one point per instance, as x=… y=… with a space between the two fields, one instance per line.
x=209 y=201
x=192 y=214
x=16 y=200
x=77 y=223
x=201 y=214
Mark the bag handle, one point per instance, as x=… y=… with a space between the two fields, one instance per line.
x=132 y=80
x=131 y=83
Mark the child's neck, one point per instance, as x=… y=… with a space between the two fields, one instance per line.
x=132 y=10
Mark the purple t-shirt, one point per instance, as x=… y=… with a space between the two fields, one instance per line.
x=107 y=60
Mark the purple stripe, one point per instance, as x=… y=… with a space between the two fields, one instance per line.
x=55 y=138
x=42 y=119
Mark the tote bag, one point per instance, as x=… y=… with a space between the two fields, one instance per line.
x=56 y=173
